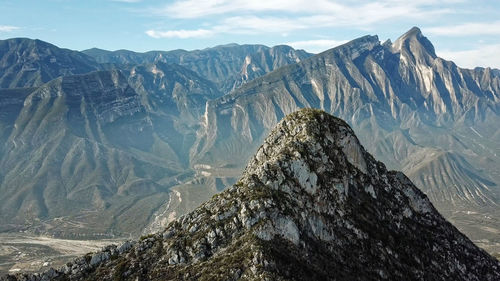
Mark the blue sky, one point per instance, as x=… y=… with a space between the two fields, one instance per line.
x=467 y=32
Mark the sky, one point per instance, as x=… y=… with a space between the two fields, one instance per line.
x=467 y=32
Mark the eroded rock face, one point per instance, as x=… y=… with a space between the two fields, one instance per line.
x=312 y=204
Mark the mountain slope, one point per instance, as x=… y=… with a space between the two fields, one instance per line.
x=11 y=103
x=457 y=173
x=400 y=98
x=312 y=204
x=67 y=154
x=95 y=154
x=27 y=63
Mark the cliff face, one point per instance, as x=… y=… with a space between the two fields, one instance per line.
x=312 y=204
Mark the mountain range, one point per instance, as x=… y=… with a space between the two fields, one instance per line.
x=100 y=143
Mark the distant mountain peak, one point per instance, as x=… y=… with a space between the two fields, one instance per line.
x=414 y=31
x=414 y=42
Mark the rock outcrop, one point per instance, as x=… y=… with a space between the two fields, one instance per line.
x=312 y=204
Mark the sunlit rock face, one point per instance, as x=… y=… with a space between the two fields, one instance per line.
x=312 y=204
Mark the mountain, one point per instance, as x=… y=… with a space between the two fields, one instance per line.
x=400 y=98
x=312 y=204
x=226 y=65
x=28 y=63
x=95 y=154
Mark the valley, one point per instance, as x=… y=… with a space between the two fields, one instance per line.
x=30 y=253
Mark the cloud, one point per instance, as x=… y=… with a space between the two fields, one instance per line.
x=182 y=34
x=359 y=9
x=466 y=29
x=285 y=16
x=8 y=28
x=316 y=46
x=484 y=56
x=196 y=9
x=233 y=25
x=255 y=24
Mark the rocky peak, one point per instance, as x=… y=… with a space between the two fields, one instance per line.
x=414 y=45
x=312 y=204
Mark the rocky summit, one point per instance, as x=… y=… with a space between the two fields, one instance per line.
x=312 y=204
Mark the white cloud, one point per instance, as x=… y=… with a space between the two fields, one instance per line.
x=352 y=10
x=254 y=24
x=260 y=16
x=316 y=46
x=196 y=9
x=233 y=25
x=484 y=56
x=182 y=34
x=8 y=28
x=466 y=29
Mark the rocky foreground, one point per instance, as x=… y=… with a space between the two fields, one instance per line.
x=312 y=204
